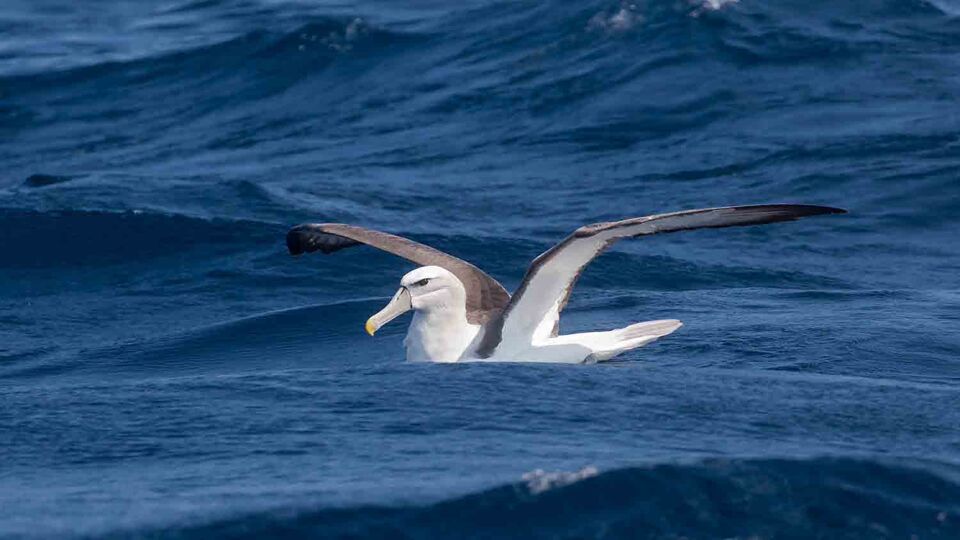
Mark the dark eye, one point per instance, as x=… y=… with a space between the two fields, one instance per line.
x=422 y=282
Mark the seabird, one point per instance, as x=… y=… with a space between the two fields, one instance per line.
x=461 y=313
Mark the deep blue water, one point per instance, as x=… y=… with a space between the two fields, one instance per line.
x=167 y=369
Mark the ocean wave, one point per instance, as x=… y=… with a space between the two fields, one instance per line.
x=598 y=77
x=283 y=339
x=314 y=43
x=246 y=69
x=72 y=238
x=728 y=498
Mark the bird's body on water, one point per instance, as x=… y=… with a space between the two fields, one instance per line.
x=463 y=314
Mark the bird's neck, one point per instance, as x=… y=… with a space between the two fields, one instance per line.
x=439 y=335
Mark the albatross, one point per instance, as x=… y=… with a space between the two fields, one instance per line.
x=463 y=314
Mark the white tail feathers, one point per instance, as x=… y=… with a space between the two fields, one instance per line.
x=653 y=329
x=633 y=336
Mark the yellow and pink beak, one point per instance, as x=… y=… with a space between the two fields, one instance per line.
x=398 y=305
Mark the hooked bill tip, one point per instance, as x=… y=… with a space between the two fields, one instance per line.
x=370 y=328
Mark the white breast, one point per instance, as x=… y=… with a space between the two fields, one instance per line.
x=438 y=337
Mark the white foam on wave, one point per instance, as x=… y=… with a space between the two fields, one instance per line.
x=337 y=41
x=628 y=15
x=702 y=6
x=617 y=21
x=539 y=481
x=949 y=7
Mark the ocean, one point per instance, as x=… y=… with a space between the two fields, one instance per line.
x=168 y=370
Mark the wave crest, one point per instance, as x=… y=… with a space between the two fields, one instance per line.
x=741 y=498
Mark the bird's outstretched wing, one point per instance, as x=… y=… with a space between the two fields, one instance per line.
x=485 y=296
x=534 y=311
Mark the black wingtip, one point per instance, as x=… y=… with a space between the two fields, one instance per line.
x=798 y=210
x=311 y=237
x=832 y=210
x=815 y=210
x=295 y=241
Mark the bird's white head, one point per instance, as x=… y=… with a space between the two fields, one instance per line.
x=426 y=289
